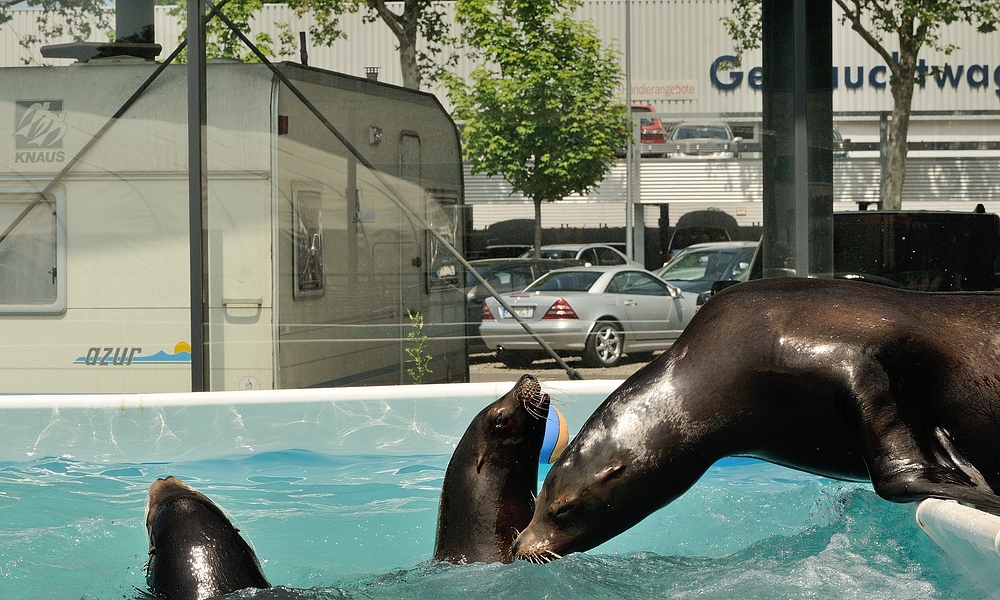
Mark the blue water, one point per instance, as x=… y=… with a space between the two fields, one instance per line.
x=363 y=527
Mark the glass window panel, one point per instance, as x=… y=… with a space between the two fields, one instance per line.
x=32 y=255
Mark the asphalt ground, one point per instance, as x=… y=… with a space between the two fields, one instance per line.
x=486 y=368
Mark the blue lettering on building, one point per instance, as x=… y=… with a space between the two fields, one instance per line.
x=873 y=77
x=983 y=80
x=727 y=64
x=725 y=75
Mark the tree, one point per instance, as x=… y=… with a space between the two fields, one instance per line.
x=541 y=108
x=220 y=40
x=79 y=19
x=82 y=19
x=912 y=25
x=418 y=18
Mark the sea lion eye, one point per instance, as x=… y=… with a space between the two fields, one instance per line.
x=561 y=507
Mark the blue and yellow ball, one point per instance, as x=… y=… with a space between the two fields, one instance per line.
x=556 y=436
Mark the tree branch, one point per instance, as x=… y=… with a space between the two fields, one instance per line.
x=871 y=40
x=388 y=17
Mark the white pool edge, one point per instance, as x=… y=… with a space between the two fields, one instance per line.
x=388 y=392
x=970 y=536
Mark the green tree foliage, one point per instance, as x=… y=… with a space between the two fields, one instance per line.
x=220 y=40
x=541 y=108
x=417 y=19
x=885 y=25
x=422 y=21
x=81 y=19
x=77 y=19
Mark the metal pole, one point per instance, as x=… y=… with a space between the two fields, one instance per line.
x=197 y=193
x=630 y=148
x=800 y=140
x=883 y=157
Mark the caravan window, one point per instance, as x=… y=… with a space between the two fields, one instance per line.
x=32 y=252
x=308 y=235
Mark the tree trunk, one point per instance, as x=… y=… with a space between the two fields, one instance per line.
x=538 y=226
x=901 y=83
x=405 y=27
x=408 y=59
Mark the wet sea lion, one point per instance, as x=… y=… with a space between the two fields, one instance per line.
x=194 y=551
x=838 y=378
x=489 y=486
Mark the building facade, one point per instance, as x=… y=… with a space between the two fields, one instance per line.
x=679 y=50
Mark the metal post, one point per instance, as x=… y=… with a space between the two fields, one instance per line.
x=883 y=156
x=134 y=21
x=797 y=156
x=801 y=139
x=197 y=193
x=630 y=148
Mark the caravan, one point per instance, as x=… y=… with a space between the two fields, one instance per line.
x=314 y=262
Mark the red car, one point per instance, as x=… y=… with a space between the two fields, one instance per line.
x=651 y=131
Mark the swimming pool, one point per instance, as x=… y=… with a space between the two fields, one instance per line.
x=337 y=490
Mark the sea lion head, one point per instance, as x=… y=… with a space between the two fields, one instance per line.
x=488 y=492
x=513 y=426
x=628 y=460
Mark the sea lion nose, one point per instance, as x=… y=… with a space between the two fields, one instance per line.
x=514 y=547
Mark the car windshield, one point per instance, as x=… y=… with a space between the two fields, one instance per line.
x=565 y=281
x=707 y=265
x=698 y=132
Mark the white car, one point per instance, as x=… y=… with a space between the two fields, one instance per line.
x=600 y=313
x=594 y=254
x=703 y=140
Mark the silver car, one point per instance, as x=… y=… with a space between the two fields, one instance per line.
x=599 y=312
x=595 y=254
x=703 y=140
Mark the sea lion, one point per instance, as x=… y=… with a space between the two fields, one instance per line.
x=838 y=378
x=194 y=551
x=489 y=486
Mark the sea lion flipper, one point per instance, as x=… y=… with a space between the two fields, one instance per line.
x=958 y=460
x=908 y=471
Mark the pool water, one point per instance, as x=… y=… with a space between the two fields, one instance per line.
x=338 y=526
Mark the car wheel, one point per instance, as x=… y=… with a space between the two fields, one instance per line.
x=516 y=359
x=604 y=346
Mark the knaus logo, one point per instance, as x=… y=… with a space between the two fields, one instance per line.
x=39 y=128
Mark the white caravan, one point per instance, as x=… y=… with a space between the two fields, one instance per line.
x=312 y=264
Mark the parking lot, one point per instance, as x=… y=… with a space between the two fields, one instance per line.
x=485 y=367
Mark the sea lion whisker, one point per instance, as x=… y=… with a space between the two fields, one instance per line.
x=535 y=412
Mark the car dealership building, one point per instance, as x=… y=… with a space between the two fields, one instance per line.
x=679 y=52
